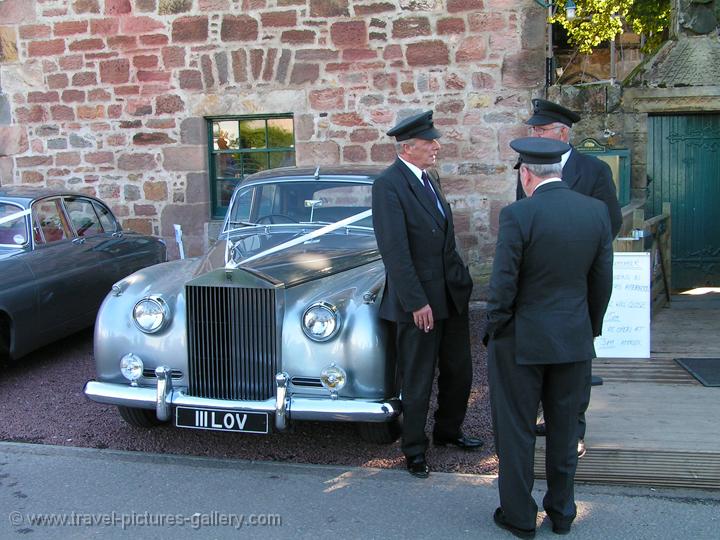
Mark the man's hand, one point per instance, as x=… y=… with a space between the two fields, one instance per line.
x=423 y=318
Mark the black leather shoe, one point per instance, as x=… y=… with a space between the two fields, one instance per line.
x=500 y=521
x=466 y=443
x=560 y=529
x=540 y=429
x=417 y=466
x=581 y=448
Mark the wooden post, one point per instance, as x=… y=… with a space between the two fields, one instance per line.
x=667 y=247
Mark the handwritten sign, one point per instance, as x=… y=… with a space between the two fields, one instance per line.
x=626 y=327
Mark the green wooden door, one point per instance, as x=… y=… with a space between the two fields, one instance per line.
x=684 y=169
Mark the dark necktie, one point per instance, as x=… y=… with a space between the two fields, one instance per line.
x=431 y=192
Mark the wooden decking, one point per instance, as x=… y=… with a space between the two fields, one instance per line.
x=652 y=423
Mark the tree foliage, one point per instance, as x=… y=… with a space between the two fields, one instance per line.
x=598 y=21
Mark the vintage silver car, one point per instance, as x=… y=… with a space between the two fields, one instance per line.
x=60 y=254
x=277 y=323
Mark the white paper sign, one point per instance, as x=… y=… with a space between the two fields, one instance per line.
x=626 y=327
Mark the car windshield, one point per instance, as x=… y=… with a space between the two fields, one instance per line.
x=299 y=202
x=13 y=225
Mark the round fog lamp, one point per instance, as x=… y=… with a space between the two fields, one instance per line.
x=131 y=367
x=320 y=322
x=333 y=377
x=150 y=314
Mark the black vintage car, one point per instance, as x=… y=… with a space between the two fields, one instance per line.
x=60 y=254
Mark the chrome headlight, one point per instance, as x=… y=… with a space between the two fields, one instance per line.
x=131 y=367
x=321 y=321
x=151 y=314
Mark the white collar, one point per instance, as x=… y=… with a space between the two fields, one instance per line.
x=417 y=171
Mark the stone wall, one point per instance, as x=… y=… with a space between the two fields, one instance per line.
x=108 y=96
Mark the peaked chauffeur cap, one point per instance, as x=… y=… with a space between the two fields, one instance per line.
x=546 y=112
x=538 y=150
x=419 y=126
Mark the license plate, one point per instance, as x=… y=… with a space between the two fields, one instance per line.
x=222 y=420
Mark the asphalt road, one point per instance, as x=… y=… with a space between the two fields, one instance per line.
x=73 y=493
x=42 y=401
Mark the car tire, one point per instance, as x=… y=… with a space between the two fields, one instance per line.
x=144 y=418
x=380 y=432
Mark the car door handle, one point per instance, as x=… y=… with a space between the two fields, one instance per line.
x=78 y=241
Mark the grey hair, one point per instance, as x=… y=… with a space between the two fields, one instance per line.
x=545 y=170
x=399 y=145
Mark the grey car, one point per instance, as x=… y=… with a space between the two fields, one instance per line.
x=277 y=323
x=60 y=254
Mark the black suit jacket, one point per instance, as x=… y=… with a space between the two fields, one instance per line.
x=552 y=276
x=418 y=248
x=590 y=176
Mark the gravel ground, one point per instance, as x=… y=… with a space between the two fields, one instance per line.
x=42 y=402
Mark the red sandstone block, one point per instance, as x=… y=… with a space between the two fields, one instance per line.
x=115 y=71
x=140 y=25
x=122 y=42
x=33 y=161
x=34 y=31
x=130 y=90
x=410 y=27
x=190 y=79
x=43 y=97
x=372 y=9
x=427 y=53
x=70 y=28
x=153 y=76
x=114 y=111
x=73 y=96
x=348 y=119
x=238 y=28
x=90 y=112
x=94 y=44
x=382 y=153
x=116 y=140
x=354 y=154
x=31 y=115
x=154 y=40
x=96 y=158
x=173 y=57
x=169 y=104
x=298 y=36
x=86 y=6
x=145 y=61
x=117 y=7
x=472 y=49
x=455 y=6
x=385 y=81
x=486 y=22
x=451 y=25
x=46 y=48
x=190 y=29
x=304 y=73
x=349 y=34
x=279 y=18
x=363 y=135
x=84 y=78
x=104 y=27
x=71 y=62
x=161 y=123
x=329 y=8
x=327 y=99
x=136 y=162
x=99 y=94
x=31 y=177
x=358 y=55
x=393 y=52
x=239 y=65
x=57 y=81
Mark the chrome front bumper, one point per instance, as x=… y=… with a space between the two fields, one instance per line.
x=284 y=408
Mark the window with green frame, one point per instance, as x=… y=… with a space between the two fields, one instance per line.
x=242 y=145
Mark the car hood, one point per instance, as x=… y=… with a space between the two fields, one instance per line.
x=307 y=261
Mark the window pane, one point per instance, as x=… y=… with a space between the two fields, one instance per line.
x=106 y=217
x=282 y=159
x=252 y=134
x=83 y=218
x=49 y=219
x=225 y=135
x=280 y=133
x=240 y=211
x=224 y=192
x=228 y=165
x=13 y=231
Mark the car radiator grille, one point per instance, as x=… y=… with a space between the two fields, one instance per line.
x=231 y=343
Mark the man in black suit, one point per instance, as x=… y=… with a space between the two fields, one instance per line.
x=427 y=290
x=549 y=289
x=585 y=174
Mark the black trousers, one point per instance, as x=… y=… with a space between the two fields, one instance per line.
x=515 y=393
x=447 y=346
